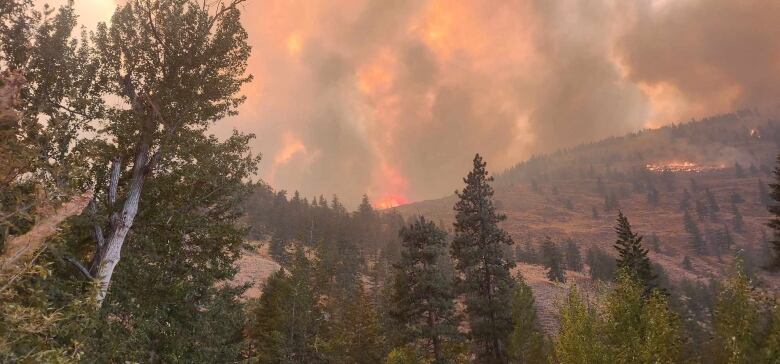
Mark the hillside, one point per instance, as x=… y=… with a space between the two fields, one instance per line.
x=575 y=195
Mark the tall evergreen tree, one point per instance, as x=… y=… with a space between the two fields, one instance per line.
x=353 y=333
x=695 y=239
x=632 y=256
x=552 y=258
x=423 y=297
x=285 y=323
x=484 y=271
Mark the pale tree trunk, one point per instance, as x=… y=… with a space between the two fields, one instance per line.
x=109 y=249
x=109 y=245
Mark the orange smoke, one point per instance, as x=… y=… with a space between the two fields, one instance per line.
x=294 y=44
x=292 y=146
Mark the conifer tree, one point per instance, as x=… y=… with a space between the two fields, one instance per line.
x=712 y=202
x=353 y=333
x=286 y=322
x=552 y=258
x=423 y=297
x=527 y=343
x=573 y=256
x=739 y=222
x=632 y=256
x=653 y=196
x=527 y=253
x=728 y=240
x=686 y=263
x=485 y=280
x=685 y=201
x=695 y=239
x=774 y=222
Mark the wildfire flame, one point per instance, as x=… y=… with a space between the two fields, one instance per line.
x=681 y=166
x=390 y=201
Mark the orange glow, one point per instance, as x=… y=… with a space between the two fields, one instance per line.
x=292 y=145
x=377 y=77
x=294 y=44
x=390 y=201
x=391 y=185
x=682 y=166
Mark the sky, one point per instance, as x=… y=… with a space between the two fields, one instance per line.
x=394 y=98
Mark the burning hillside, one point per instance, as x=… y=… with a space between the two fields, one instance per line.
x=682 y=166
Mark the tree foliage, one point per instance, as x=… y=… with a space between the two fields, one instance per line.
x=478 y=251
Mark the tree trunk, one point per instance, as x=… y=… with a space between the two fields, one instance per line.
x=121 y=221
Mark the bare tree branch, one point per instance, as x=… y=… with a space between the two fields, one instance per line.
x=79 y=266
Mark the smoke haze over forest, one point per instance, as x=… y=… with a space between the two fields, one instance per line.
x=393 y=98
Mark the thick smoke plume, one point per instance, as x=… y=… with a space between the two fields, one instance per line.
x=393 y=98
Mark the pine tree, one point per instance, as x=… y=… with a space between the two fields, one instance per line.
x=653 y=197
x=728 y=240
x=366 y=225
x=685 y=202
x=423 y=298
x=632 y=256
x=285 y=323
x=774 y=222
x=552 y=258
x=694 y=235
x=485 y=280
x=573 y=256
x=353 y=333
x=712 y=202
x=527 y=343
x=694 y=186
x=739 y=223
x=686 y=263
